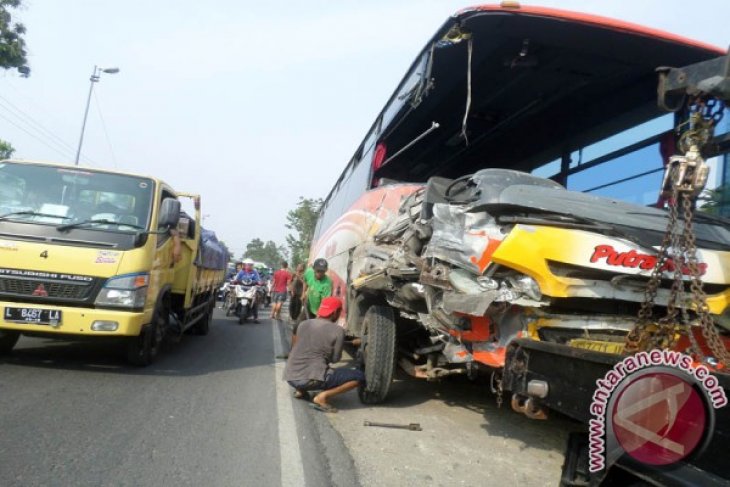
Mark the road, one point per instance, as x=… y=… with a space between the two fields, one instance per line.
x=212 y=411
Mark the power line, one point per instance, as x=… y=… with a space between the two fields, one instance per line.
x=106 y=133
x=31 y=121
x=33 y=135
x=37 y=126
x=31 y=130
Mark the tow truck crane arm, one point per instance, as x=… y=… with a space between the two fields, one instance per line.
x=708 y=80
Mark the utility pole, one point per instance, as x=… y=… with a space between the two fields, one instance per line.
x=95 y=75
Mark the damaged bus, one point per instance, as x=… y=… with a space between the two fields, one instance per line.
x=509 y=190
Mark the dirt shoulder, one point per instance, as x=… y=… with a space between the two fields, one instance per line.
x=466 y=439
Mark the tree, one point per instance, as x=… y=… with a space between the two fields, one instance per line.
x=716 y=201
x=302 y=220
x=6 y=150
x=12 y=43
x=269 y=253
x=254 y=249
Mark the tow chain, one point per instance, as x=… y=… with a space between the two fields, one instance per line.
x=684 y=180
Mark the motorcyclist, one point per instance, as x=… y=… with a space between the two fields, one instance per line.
x=249 y=274
x=232 y=275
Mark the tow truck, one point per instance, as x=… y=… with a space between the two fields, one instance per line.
x=546 y=376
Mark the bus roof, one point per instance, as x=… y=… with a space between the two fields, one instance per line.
x=543 y=82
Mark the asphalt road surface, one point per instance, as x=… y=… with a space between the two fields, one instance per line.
x=212 y=411
x=205 y=413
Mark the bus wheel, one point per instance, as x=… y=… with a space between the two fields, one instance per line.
x=378 y=354
x=8 y=339
x=142 y=350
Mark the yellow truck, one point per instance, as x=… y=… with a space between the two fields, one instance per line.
x=96 y=253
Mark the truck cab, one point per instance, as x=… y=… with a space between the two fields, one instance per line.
x=92 y=253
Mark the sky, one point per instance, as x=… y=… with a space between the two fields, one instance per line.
x=250 y=104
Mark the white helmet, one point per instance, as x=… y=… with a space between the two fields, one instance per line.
x=248 y=262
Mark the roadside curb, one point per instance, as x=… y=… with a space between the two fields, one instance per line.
x=320 y=436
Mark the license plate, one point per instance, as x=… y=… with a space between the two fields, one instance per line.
x=33 y=315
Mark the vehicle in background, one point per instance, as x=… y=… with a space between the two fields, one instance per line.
x=246 y=295
x=264 y=289
x=99 y=254
x=223 y=292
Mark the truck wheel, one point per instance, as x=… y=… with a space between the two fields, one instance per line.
x=202 y=327
x=142 y=350
x=378 y=354
x=8 y=339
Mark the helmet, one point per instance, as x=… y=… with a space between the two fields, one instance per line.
x=320 y=265
x=247 y=262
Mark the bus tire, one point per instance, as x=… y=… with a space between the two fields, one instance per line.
x=143 y=349
x=8 y=339
x=378 y=351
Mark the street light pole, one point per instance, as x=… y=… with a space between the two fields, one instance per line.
x=95 y=75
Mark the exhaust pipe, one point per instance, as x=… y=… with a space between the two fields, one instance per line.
x=529 y=407
x=533 y=410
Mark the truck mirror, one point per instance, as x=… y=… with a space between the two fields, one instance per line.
x=169 y=213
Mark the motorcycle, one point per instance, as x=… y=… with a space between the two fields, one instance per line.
x=222 y=293
x=247 y=297
x=230 y=301
x=265 y=295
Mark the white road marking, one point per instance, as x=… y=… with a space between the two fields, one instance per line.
x=292 y=469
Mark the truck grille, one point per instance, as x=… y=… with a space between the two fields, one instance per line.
x=36 y=286
x=44 y=288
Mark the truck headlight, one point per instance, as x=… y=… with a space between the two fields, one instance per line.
x=127 y=291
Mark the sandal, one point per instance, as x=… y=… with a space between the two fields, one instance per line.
x=304 y=396
x=324 y=409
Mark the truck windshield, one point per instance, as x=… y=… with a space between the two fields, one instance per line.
x=48 y=195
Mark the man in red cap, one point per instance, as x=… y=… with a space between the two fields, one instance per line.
x=318 y=346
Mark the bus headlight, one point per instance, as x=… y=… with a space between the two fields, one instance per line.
x=527 y=286
x=127 y=291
